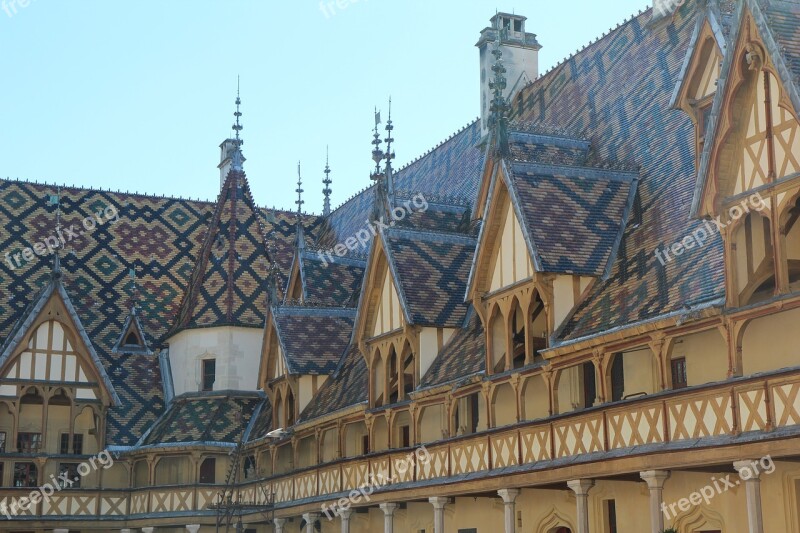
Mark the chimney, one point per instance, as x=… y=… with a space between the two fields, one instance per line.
x=226 y=159
x=520 y=57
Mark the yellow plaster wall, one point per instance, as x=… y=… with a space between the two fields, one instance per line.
x=512 y=263
x=706 y=356
x=767 y=344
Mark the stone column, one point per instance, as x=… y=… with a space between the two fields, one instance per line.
x=750 y=474
x=655 y=482
x=581 y=489
x=438 y=503
x=509 y=498
x=388 y=516
x=124 y=531
x=148 y=529
x=344 y=514
x=193 y=528
x=279 y=523
x=61 y=531
x=311 y=519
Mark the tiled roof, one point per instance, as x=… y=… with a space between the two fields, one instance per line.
x=262 y=423
x=226 y=287
x=347 y=387
x=574 y=215
x=616 y=93
x=205 y=418
x=543 y=148
x=158 y=236
x=782 y=17
x=463 y=355
x=313 y=338
x=431 y=270
x=332 y=281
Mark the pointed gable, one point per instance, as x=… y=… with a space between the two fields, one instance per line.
x=382 y=308
x=132 y=339
x=226 y=286
x=49 y=343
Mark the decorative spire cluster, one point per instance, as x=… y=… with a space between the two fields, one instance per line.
x=326 y=206
x=301 y=241
x=500 y=108
x=238 y=158
x=384 y=177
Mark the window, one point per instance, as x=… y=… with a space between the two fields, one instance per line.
x=617 y=378
x=69 y=471
x=29 y=442
x=679 y=377
x=518 y=25
x=209 y=374
x=2 y=442
x=77 y=444
x=132 y=339
x=25 y=475
x=611 y=516
x=208 y=471
x=405 y=436
x=365 y=444
x=250 y=467
x=589 y=385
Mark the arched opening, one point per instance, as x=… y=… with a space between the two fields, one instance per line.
x=753 y=259
x=265 y=464
x=85 y=432
x=792 y=231
x=401 y=430
x=697 y=359
x=307 y=452
x=329 y=445
x=31 y=417
x=394 y=376
x=208 y=471
x=409 y=372
x=173 y=471
x=469 y=414
x=141 y=474
x=431 y=424
x=518 y=333
x=290 y=408
x=380 y=434
x=284 y=459
x=356 y=439
x=770 y=331
x=539 y=337
x=6 y=427
x=280 y=413
x=497 y=334
x=504 y=405
x=378 y=379
x=535 y=398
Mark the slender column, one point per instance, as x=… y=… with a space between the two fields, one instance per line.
x=750 y=474
x=193 y=528
x=509 y=502
x=344 y=514
x=311 y=519
x=279 y=523
x=438 y=503
x=388 y=516
x=124 y=531
x=61 y=531
x=655 y=482
x=148 y=529
x=581 y=489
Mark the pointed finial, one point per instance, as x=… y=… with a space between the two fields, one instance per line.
x=301 y=241
x=326 y=206
x=377 y=153
x=238 y=158
x=389 y=171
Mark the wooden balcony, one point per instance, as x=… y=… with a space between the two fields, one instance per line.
x=760 y=403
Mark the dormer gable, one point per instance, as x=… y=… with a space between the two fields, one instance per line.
x=132 y=338
x=49 y=345
x=382 y=309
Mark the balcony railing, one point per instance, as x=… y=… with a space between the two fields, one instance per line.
x=742 y=405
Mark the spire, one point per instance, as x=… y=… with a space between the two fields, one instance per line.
x=380 y=208
x=326 y=206
x=389 y=171
x=301 y=241
x=55 y=199
x=238 y=158
x=499 y=109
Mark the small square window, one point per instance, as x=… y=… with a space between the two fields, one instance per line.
x=25 y=475
x=209 y=374
x=29 y=442
x=679 y=376
x=70 y=472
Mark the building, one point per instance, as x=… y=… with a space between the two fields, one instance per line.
x=580 y=320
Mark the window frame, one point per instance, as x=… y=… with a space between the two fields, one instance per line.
x=205 y=374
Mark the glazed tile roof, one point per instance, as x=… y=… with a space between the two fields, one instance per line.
x=462 y=356
x=159 y=236
x=545 y=148
x=262 y=423
x=313 y=339
x=574 y=215
x=782 y=17
x=347 y=387
x=431 y=270
x=205 y=418
x=616 y=93
x=332 y=281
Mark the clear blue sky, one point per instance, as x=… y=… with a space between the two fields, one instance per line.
x=137 y=95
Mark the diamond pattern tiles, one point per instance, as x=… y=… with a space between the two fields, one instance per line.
x=347 y=387
x=313 y=338
x=616 y=94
